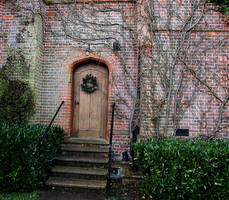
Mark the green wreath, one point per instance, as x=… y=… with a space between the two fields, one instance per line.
x=89 y=84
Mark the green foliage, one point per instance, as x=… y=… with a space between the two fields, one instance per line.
x=89 y=84
x=16 y=66
x=21 y=196
x=110 y=198
x=17 y=102
x=223 y=5
x=184 y=169
x=24 y=162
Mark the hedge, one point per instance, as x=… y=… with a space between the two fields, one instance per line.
x=24 y=162
x=17 y=101
x=184 y=169
x=223 y=5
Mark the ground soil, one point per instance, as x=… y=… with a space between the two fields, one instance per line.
x=118 y=191
x=57 y=195
x=131 y=191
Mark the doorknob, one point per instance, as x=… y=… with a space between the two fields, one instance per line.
x=77 y=102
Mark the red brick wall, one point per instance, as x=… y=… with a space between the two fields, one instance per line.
x=21 y=30
x=61 y=54
x=207 y=56
x=52 y=57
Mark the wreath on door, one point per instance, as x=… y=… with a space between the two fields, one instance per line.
x=89 y=84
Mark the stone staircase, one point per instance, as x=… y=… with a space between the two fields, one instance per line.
x=82 y=165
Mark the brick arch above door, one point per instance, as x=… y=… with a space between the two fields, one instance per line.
x=67 y=67
x=108 y=59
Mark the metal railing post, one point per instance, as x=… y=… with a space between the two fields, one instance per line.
x=110 y=149
x=50 y=124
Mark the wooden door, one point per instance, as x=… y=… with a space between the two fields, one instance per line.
x=90 y=109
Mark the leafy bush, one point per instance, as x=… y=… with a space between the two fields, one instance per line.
x=21 y=196
x=184 y=169
x=15 y=66
x=17 y=102
x=223 y=5
x=24 y=162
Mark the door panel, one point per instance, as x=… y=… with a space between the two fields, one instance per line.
x=89 y=116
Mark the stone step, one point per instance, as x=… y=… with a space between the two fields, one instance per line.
x=80 y=172
x=86 y=143
x=60 y=182
x=69 y=147
x=84 y=154
x=82 y=161
x=75 y=140
x=69 y=150
x=81 y=166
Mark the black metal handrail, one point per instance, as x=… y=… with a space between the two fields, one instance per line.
x=110 y=149
x=50 y=124
x=135 y=134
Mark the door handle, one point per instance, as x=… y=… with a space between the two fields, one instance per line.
x=77 y=102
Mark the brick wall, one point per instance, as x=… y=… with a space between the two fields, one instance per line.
x=203 y=55
x=61 y=53
x=52 y=56
x=20 y=29
x=55 y=36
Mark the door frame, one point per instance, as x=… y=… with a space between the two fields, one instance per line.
x=77 y=65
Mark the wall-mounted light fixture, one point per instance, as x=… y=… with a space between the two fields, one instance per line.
x=88 y=49
x=116 y=46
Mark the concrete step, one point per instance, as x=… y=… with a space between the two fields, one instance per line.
x=69 y=147
x=82 y=161
x=71 y=150
x=82 y=165
x=86 y=143
x=75 y=140
x=60 y=182
x=80 y=172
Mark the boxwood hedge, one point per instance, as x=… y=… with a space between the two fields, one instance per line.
x=184 y=169
x=24 y=163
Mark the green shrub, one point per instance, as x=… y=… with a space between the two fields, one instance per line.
x=24 y=162
x=184 y=169
x=223 y=5
x=17 y=102
x=16 y=66
x=21 y=196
